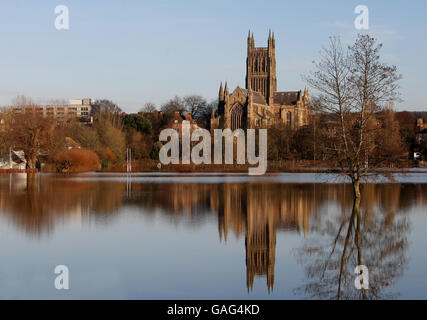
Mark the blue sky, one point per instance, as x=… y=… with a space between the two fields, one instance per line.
x=137 y=51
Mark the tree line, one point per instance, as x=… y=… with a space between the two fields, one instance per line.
x=351 y=128
x=73 y=146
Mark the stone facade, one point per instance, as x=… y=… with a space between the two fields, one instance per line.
x=260 y=105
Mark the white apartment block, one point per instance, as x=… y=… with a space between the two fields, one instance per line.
x=77 y=108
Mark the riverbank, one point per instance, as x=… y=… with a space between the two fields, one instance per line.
x=148 y=165
x=19 y=171
x=300 y=166
x=273 y=166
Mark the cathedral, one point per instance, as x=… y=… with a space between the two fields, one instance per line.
x=260 y=105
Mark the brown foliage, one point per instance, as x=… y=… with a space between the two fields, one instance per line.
x=107 y=157
x=32 y=133
x=107 y=154
x=77 y=160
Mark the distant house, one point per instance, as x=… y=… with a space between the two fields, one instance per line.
x=152 y=116
x=178 y=120
x=421 y=131
x=421 y=136
x=15 y=160
x=69 y=143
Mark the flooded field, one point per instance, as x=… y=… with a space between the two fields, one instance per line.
x=211 y=236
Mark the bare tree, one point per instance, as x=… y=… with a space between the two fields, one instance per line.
x=58 y=102
x=200 y=108
x=104 y=105
x=197 y=105
x=353 y=86
x=280 y=140
x=149 y=107
x=32 y=133
x=173 y=105
x=21 y=100
x=107 y=109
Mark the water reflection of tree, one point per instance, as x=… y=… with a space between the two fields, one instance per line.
x=36 y=203
x=368 y=233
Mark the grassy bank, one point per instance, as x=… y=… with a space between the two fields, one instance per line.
x=273 y=166
x=148 y=165
x=18 y=171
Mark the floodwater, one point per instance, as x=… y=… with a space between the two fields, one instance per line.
x=211 y=236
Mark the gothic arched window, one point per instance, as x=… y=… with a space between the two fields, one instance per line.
x=237 y=117
x=289 y=118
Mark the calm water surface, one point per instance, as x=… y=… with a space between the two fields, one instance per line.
x=189 y=236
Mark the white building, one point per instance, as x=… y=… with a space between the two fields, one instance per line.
x=15 y=160
x=77 y=108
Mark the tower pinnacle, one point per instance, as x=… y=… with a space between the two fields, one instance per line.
x=261 y=69
x=221 y=92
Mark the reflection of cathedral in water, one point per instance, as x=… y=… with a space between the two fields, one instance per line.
x=250 y=210
x=260 y=255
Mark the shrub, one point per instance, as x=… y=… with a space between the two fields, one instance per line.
x=77 y=160
x=154 y=154
x=107 y=157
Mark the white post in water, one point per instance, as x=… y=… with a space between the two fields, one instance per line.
x=128 y=169
x=10 y=158
x=128 y=160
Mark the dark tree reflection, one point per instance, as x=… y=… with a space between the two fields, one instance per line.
x=37 y=203
x=369 y=234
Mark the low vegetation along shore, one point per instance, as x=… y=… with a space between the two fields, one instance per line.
x=149 y=165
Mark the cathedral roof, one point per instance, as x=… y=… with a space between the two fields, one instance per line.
x=257 y=97
x=286 y=97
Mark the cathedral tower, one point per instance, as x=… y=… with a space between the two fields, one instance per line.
x=261 y=68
